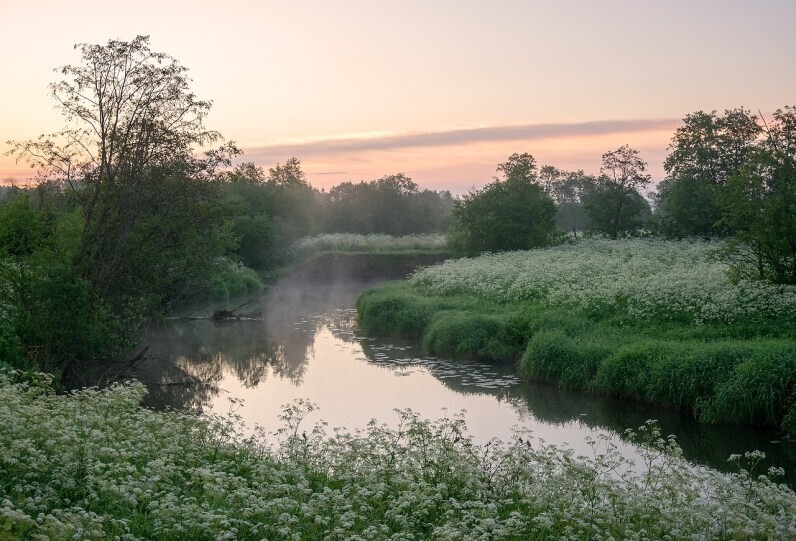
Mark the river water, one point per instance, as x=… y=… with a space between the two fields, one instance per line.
x=307 y=346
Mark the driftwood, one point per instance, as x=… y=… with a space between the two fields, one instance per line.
x=225 y=315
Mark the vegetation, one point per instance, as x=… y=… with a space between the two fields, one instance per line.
x=97 y=466
x=616 y=207
x=654 y=320
x=349 y=242
x=391 y=205
x=704 y=154
x=735 y=175
x=128 y=222
x=513 y=213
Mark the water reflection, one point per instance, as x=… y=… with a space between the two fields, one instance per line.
x=306 y=346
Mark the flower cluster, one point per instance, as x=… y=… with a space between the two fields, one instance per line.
x=645 y=278
x=94 y=465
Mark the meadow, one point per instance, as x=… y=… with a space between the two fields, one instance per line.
x=98 y=466
x=355 y=242
x=647 y=319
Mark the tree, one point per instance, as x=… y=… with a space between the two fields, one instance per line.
x=759 y=203
x=292 y=202
x=616 y=207
x=704 y=154
x=153 y=222
x=393 y=205
x=512 y=213
x=568 y=189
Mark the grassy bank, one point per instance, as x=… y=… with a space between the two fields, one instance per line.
x=644 y=319
x=94 y=465
x=352 y=242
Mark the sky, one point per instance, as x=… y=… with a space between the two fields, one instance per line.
x=440 y=90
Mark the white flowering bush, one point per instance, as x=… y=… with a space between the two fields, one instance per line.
x=94 y=465
x=644 y=278
x=351 y=242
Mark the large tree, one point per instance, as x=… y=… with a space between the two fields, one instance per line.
x=759 y=203
x=151 y=207
x=617 y=207
x=511 y=213
x=705 y=152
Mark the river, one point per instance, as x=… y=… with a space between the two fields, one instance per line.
x=307 y=346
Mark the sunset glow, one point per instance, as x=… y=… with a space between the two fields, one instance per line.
x=441 y=91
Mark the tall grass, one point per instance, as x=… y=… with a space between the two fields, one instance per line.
x=351 y=242
x=644 y=319
x=94 y=465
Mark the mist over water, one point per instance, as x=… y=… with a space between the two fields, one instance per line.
x=307 y=346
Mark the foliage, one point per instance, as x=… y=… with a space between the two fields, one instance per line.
x=234 y=280
x=570 y=190
x=93 y=465
x=391 y=205
x=759 y=203
x=48 y=318
x=704 y=154
x=351 y=242
x=512 y=213
x=152 y=218
x=23 y=228
x=616 y=207
x=639 y=278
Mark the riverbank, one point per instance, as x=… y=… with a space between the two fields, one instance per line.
x=646 y=320
x=94 y=465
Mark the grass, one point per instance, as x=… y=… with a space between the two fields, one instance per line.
x=717 y=366
x=357 y=243
x=94 y=465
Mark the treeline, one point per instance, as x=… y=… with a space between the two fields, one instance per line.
x=730 y=176
x=80 y=276
x=273 y=210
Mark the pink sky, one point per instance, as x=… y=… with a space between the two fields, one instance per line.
x=442 y=91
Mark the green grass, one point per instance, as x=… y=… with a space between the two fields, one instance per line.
x=741 y=372
x=94 y=465
x=375 y=243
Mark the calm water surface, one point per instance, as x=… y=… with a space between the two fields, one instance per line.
x=307 y=346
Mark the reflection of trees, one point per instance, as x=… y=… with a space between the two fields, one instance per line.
x=204 y=352
x=701 y=443
x=188 y=360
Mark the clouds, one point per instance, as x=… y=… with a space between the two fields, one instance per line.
x=347 y=145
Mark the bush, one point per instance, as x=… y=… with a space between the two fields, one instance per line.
x=556 y=357
x=235 y=280
x=471 y=336
x=392 y=311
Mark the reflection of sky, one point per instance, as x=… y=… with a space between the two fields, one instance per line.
x=350 y=391
x=307 y=347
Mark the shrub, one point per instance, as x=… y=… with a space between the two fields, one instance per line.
x=392 y=311
x=470 y=336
